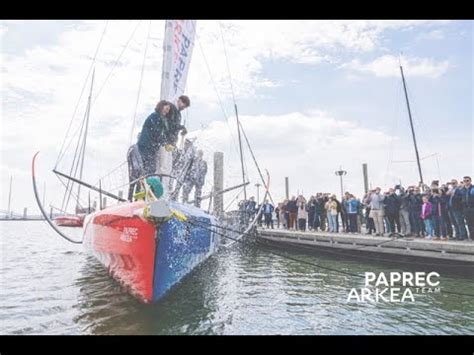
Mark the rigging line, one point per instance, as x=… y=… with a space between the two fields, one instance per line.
x=80 y=96
x=140 y=83
x=110 y=173
x=212 y=78
x=75 y=196
x=255 y=161
x=217 y=92
x=276 y=253
x=73 y=162
x=116 y=62
x=230 y=82
x=235 y=198
x=82 y=149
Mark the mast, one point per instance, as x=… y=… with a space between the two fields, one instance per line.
x=85 y=139
x=241 y=153
x=411 y=125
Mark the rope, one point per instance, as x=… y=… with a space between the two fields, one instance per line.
x=72 y=166
x=61 y=153
x=255 y=161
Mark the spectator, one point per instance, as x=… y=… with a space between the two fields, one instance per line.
x=426 y=215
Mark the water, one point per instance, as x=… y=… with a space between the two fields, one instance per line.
x=50 y=286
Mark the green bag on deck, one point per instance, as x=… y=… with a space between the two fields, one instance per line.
x=155 y=185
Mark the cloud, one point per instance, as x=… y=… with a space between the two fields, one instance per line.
x=41 y=85
x=388 y=66
x=433 y=35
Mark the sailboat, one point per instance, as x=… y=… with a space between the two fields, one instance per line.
x=150 y=244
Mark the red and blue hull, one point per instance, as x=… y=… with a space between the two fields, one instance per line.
x=148 y=259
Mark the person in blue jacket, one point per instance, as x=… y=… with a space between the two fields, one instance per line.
x=154 y=135
x=352 y=207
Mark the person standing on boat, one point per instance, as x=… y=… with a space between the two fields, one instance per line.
x=183 y=166
x=164 y=157
x=196 y=178
x=135 y=168
x=153 y=136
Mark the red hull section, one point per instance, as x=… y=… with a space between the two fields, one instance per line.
x=125 y=244
x=69 y=221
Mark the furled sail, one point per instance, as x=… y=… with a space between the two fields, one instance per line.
x=177 y=51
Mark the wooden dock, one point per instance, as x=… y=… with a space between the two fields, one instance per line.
x=454 y=253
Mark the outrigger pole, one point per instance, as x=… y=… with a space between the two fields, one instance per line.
x=90 y=186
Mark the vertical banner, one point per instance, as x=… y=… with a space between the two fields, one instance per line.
x=177 y=51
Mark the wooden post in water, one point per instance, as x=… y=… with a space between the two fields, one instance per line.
x=25 y=214
x=366 y=177
x=218 y=183
x=287 y=188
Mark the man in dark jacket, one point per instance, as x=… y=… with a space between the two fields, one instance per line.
x=468 y=202
x=292 y=210
x=456 y=207
x=392 y=210
x=267 y=212
x=414 y=207
x=175 y=119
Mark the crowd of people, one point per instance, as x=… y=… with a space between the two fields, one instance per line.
x=438 y=212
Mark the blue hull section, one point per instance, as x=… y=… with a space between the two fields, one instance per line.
x=181 y=247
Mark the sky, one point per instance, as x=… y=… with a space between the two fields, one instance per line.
x=312 y=96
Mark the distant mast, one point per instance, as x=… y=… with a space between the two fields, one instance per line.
x=411 y=125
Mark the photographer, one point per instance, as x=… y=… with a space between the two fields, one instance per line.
x=414 y=209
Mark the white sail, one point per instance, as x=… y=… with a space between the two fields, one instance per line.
x=178 y=47
x=177 y=51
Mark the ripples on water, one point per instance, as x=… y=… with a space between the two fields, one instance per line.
x=49 y=286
